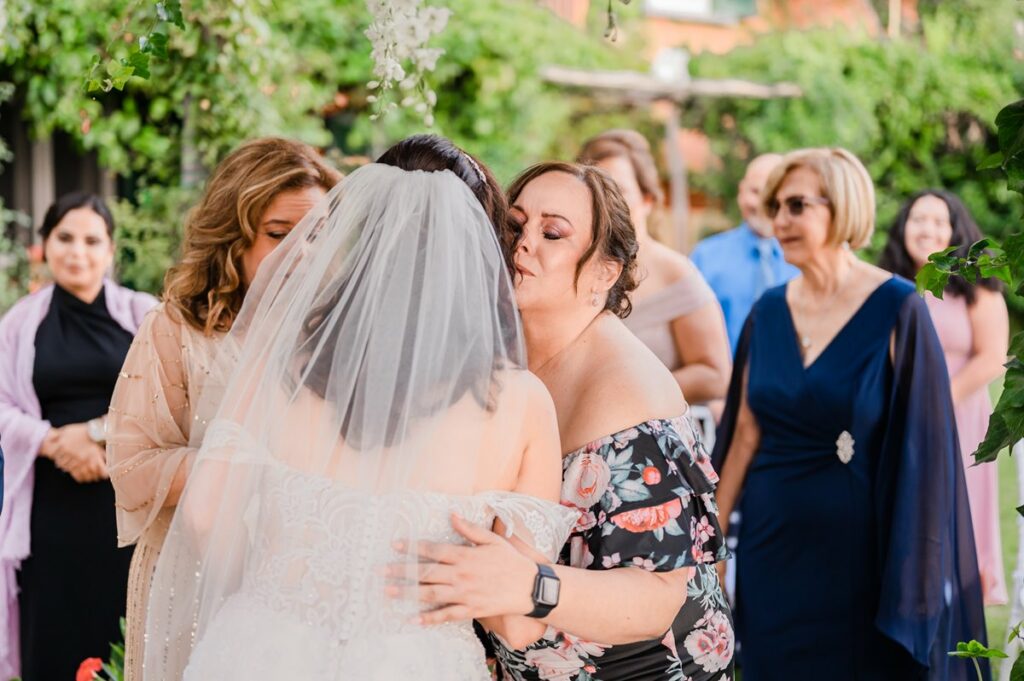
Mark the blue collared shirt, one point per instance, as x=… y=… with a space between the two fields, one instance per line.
x=731 y=263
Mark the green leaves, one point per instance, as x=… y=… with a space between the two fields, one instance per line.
x=1017 y=671
x=170 y=11
x=992 y=161
x=152 y=44
x=975 y=650
x=139 y=63
x=935 y=275
x=1010 y=122
x=918 y=111
x=984 y=259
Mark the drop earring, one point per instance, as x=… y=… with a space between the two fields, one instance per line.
x=595 y=299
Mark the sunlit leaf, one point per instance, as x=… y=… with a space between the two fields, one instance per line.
x=932 y=279
x=992 y=161
x=1017 y=671
x=976 y=650
x=139 y=62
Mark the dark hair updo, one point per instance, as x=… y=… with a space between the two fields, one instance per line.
x=433 y=153
x=72 y=201
x=612 y=231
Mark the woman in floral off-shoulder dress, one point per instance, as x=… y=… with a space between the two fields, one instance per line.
x=639 y=593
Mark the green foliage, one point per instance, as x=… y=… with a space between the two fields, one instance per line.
x=114 y=668
x=218 y=85
x=13 y=258
x=985 y=258
x=1017 y=671
x=490 y=97
x=916 y=110
x=243 y=69
x=975 y=651
x=14 y=265
x=148 y=235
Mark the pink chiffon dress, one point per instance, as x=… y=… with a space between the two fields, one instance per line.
x=953 y=325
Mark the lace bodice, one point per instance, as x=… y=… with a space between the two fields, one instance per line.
x=311 y=590
x=318 y=548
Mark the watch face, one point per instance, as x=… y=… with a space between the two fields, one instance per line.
x=548 y=591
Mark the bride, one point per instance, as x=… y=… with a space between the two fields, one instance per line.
x=374 y=386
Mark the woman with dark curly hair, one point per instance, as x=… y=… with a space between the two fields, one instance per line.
x=253 y=200
x=634 y=593
x=973 y=328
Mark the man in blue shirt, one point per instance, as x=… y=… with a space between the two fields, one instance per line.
x=742 y=263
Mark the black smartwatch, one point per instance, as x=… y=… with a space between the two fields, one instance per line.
x=546 y=587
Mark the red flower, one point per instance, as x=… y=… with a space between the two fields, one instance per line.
x=650 y=518
x=652 y=476
x=35 y=253
x=88 y=669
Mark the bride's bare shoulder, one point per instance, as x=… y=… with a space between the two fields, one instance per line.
x=521 y=389
x=537 y=456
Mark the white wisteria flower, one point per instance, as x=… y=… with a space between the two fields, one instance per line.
x=398 y=35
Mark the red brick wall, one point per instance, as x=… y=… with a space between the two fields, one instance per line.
x=573 y=11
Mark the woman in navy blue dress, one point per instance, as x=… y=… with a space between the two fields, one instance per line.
x=855 y=558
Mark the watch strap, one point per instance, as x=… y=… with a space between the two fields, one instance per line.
x=543 y=602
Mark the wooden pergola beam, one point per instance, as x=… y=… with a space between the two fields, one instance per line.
x=639 y=86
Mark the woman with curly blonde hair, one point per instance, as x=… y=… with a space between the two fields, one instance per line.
x=253 y=200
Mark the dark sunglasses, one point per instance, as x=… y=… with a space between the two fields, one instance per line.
x=795 y=205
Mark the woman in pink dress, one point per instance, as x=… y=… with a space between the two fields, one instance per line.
x=973 y=327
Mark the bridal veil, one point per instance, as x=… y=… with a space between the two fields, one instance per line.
x=358 y=386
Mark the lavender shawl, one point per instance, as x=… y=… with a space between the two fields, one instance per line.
x=21 y=433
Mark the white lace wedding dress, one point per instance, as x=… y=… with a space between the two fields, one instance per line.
x=377 y=361
x=309 y=606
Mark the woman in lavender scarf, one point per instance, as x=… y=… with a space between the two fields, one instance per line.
x=60 y=352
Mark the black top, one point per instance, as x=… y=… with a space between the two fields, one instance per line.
x=74 y=583
x=79 y=352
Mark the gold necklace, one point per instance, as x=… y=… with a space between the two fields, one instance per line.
x=549 y=360
x=805 y=340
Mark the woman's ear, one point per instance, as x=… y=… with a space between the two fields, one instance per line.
x=608 y=272
x=648 y=206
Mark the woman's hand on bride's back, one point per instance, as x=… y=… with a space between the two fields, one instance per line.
x=490 y=578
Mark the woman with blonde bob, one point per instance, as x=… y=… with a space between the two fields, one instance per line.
x=253 y=200
x=839 y=447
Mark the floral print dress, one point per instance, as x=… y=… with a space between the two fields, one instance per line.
x=646 y=499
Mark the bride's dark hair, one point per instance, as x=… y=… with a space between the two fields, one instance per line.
x=433 y=153
x=427 y=153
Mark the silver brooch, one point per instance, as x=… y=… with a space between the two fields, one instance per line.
x=844 y=447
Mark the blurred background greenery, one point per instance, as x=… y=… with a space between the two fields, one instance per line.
x=915 y=97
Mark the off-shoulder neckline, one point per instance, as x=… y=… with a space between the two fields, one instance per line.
x=600 y=441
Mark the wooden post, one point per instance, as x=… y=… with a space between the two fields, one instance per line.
x=895 y=18
x=44 y=182
x=679 y=193
x=192 y=171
